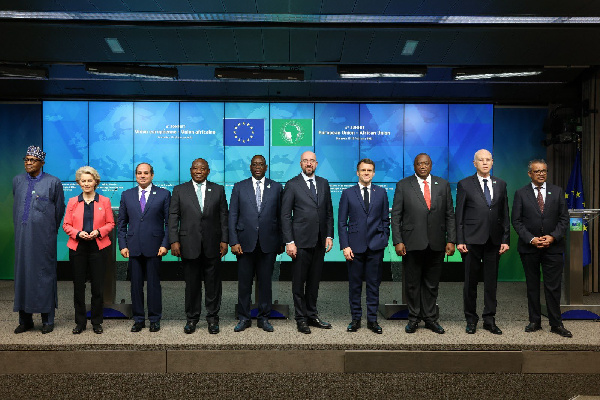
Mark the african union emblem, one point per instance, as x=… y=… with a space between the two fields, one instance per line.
x=292 y=132
x=244 y=132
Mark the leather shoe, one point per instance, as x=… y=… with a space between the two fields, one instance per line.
x=471 y=329
x=138 y=326
x=317 y=322
x=23 y=328
x=303 y=327
x=411 y=327
x=213 y=328
x=155 y=326
x=562 y=331
x=533 y=326
x=190 y=327
x=242 y=324
x=492 y=328
x=374 y=327
x=78 y=329
x=47 y=328
x=265 y=325
x=434 y=327
x=354 y=325
x=98 y=329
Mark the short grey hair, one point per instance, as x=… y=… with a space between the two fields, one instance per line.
x=536 y=161
x=88 y=170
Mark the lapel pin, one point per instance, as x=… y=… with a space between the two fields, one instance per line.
x=494 y=182
x=208 y=190
x=435 y=183
x=153 y=192
x=269 y=186
x=549 y=192
x=99 y=208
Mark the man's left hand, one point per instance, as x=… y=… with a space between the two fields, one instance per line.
x=223 y=249
x=162 y=251
x=503 y=248
x=328 y=244
x=450 y=249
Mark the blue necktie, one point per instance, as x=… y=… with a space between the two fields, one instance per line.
x=313 y=190
x=486 y=193
x=258 y=197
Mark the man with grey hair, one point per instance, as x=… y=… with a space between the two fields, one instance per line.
x=540 y=218
x=38 y=208
x=482 y=235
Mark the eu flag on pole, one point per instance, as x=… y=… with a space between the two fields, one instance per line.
x=575 y=200
x=244 y=132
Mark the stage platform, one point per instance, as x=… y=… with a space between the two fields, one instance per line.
x=327 y=363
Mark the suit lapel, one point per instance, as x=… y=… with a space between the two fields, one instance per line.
x=359 y=198
x=266 y=194
x=414 y=183
x=191 y=193
x=479 y=189
x=530 y=195
x=304 y=186
x=151 y=196
x=248 y=188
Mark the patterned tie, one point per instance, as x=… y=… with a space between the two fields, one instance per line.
x=143 y=200
x=366 y=198
x=199 y=195
x=486 y=193
x=313 y=190
x=540 y=199
x=427 y=195
x=258 y=196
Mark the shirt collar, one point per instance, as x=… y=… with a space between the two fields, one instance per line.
x=361 y=186
x=306 y=178
x=535 y=187
x=96 y=197
x=37 y=178
x=148 y=189
x=420 y=180
x=196 y=184
x=254 y=180
x=481 y=178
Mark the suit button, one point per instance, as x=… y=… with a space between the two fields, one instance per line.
x=141 y=219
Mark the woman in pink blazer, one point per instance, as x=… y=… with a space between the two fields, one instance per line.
x=88 y=221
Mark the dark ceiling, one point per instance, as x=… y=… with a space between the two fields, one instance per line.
x=313 y=36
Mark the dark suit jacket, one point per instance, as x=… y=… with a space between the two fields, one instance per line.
x=529 y=222
x=359 y=229
x=417 y=226
x=475 y=221
x=144 y=233
x=308 y=218
x=196 y=231
x=246 y=225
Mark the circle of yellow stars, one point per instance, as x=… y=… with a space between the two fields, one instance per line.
x=243 y=123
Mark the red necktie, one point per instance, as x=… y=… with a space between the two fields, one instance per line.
x=540 y=199
x=427 y=194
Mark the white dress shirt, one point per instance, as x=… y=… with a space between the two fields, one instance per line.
x=147 y=194
x=422 y=185
x=202 y=189
x=489 y=184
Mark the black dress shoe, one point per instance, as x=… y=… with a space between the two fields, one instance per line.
x=138 y=326
x=374 y=326
x=155 y=326
x=265 y=325
x=78 y=329
x=242 y=324
x=47 y=328
x=23 y=328
x=190 y=327
x=354 y=325
x=303 y=327
x=411 y=327
x=471 y=328
x=434 y=327
x=317 y=322
x=213 y=328
x=492 y=328
x=98 y=328
x=562 y=331
x=533 y=326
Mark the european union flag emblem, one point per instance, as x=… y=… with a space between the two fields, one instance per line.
x=244 y=132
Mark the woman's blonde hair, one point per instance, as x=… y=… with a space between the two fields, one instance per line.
x=88 y=170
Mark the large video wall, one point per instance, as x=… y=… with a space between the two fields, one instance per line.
x=113 y=137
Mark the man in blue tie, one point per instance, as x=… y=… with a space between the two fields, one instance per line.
x=143 y=238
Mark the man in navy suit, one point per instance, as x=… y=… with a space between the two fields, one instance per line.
x=423 y=231
x=364 y=231
x=307 y=225
x=482 y=234
x=143 y=238
x=540 y=218
x=255 y=239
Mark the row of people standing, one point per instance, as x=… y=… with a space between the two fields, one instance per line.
x=264 y=219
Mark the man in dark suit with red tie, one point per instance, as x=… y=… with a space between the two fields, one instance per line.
x=143 y=238
x=364 y=231
x=198 y=233
x=255 y=239
x=423 y=231
x=540 y=218
x=307 y=225
x=482 y=234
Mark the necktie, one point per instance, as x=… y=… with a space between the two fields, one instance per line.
x=143 y=200
x=540 y=199
x=427 y=194
x=258 y=196
x=366 y=198
x=313 y=190
x=486 y=193
x=199 y=195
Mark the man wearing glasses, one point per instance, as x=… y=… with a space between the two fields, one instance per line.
x=540 y=218
x=307 y=225
x=38 y=208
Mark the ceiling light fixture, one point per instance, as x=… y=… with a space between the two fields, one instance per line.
x=23 y=72
x=263 y=74
x=114 y=45
x=367 y=71
x=409 y=47
x=461 y=74
x=132 y=71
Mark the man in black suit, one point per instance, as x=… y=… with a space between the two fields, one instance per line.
x=255 y=239
x=307 y=225
x=541 y=219
x=482 y=234
x=423 y=231
x=198 y=233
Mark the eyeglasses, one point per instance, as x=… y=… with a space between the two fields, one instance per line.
x=31 y=160
x=540 y=172
x=306 y=161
